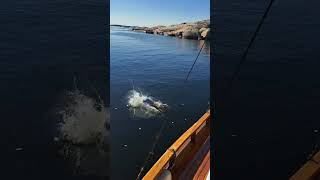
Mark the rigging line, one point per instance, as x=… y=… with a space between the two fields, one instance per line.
x=244 y=56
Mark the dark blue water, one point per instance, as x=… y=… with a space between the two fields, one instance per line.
x=157 y=65
x=44 y=46
x=266 y=129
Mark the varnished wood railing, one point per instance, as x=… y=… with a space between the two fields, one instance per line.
x=310 y=170
x=178 y=151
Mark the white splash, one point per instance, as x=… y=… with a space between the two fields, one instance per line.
x=135 y=99
x=83 y=120
x=82 y=133
x=143 y=105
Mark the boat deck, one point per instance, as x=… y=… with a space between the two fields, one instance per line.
x=204 y=169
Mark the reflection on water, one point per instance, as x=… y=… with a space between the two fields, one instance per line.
x=191 y=44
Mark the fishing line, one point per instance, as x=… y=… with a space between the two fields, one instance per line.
x=236 y=72
x=151 y=153
x=195 y=60
x=244 y=55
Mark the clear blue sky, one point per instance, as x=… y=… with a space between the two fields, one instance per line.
x=157 y=12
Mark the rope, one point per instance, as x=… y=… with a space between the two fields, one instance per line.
x=244 y=56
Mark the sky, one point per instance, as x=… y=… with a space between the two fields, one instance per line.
x=157 y=12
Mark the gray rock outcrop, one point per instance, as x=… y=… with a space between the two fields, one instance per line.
x=196 y=30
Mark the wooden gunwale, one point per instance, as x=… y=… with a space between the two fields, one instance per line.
x=310 y=170
x=178 y=147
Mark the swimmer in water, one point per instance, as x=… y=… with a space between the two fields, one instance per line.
x=156 y=104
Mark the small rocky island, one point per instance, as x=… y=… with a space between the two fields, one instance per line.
x=198 y=30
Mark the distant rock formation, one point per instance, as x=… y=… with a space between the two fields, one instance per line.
x=119 y=25
x=197 y=30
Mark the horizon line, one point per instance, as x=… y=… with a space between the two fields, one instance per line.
x=114 y=24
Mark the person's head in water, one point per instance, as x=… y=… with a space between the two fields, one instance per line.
x=156 y=104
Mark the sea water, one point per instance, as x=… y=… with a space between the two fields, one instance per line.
x=147 y=70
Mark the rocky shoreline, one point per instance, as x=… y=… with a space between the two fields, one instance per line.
x=199 y=30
